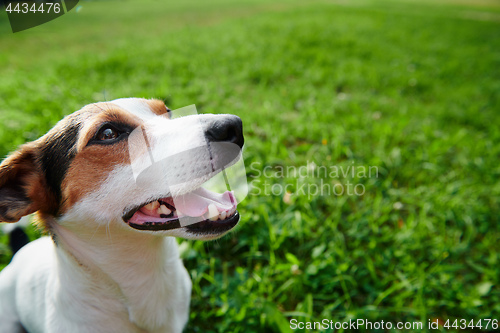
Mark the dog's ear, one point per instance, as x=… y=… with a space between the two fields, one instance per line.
x=21 y=184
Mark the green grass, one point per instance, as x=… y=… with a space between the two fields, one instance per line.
x=413 y=89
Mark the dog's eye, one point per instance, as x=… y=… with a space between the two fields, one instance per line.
x=111 y=133
x=107 y=133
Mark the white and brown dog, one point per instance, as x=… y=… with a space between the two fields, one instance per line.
x=108 y=266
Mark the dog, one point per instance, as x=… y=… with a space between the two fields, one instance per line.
x=111 y=262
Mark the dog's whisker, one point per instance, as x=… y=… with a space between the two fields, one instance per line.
x=95 y=231
x=108 y=233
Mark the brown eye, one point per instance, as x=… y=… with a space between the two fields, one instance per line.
x=111 y=133
x=106 y=134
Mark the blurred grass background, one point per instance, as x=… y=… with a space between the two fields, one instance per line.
x=410 y=87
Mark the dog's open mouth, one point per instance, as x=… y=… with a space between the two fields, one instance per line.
x=201 y=211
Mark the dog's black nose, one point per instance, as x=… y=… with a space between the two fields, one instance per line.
x=227 y=128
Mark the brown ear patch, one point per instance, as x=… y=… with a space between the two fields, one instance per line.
x=22 y=187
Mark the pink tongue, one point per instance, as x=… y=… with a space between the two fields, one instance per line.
x=196 y=203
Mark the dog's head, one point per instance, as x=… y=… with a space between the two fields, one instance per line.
x=84 y=171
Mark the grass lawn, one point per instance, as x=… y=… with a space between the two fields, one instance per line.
x=411 y=89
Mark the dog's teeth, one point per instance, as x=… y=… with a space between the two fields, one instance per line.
x=213 y=213
x=223 y=215
x=164 y=210
x=152 y=205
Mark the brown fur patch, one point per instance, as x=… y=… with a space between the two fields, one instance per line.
x=22 y=187
x=158 y=107
x=89 y=170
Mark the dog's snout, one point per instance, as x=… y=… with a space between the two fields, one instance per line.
x=227 y=128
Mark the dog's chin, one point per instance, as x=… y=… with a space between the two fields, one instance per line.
x=200 y=214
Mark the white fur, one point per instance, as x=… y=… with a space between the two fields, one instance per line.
x=104 y=276
x=47 y=290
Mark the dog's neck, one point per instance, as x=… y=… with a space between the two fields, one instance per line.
x=134 y=270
